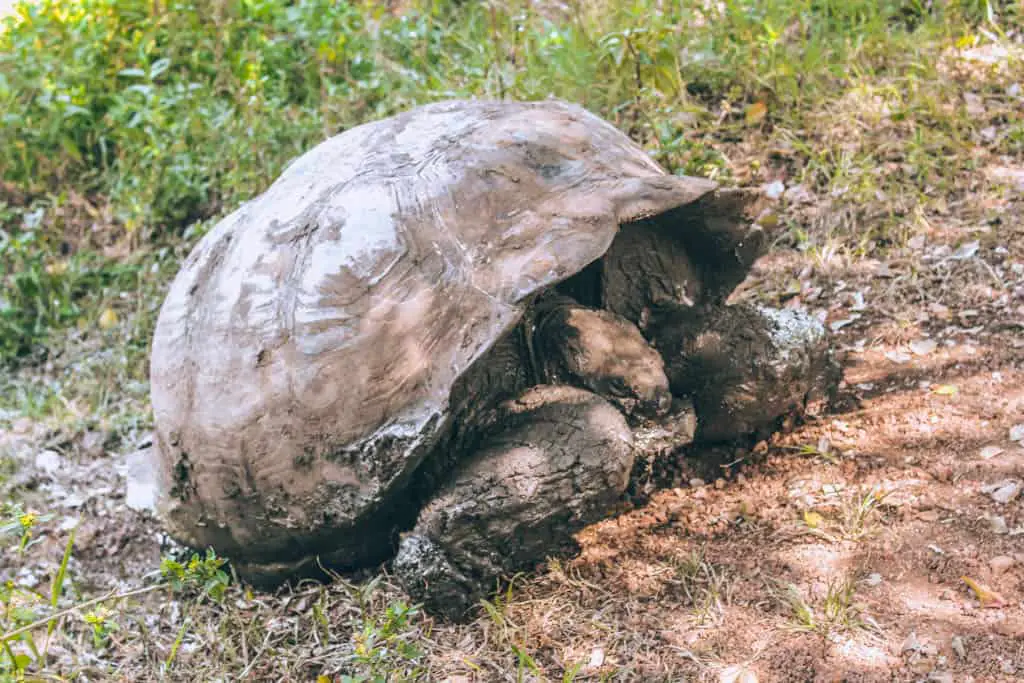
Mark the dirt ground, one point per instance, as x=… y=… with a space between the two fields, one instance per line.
x=843 y=550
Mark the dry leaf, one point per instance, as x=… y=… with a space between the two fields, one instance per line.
x=986 y=596
x=813 y=519
x=755 y=113
x=108 y=319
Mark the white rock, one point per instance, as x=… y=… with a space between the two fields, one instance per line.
x=966 y=251
x=1017 y=432
x=139 y=471
x=922 y=347
x=49 y=462
x=989 y=452
x=1001 y=564
x=1005 y=492
x=911 y=643
x=774 y=189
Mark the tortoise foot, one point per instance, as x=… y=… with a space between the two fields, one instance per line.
x=559 y=461
x=747 y=368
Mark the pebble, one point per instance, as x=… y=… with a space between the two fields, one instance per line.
x=1005 y=492
x=696 y=483
x=1017 y=432
x=989 y=452
x=999 y=525
x=49 y=462
x=958 y=647
x=1001 y=564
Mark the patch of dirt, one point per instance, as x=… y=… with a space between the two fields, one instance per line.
x=894 y=498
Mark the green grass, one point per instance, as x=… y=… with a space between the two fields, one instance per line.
x=125 y=122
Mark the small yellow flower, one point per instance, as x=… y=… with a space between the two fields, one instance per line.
x=27 y=520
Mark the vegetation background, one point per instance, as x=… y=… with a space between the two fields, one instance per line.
x=889 y=131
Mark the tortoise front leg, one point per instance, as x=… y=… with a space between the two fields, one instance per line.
x=746 y=368
x=559 y=461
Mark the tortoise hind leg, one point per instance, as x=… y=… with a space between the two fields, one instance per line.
x=560 y=460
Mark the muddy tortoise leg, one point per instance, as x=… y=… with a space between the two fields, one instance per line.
x=559 y=461
x=746 y=368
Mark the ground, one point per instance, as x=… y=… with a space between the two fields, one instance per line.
x=880 y=542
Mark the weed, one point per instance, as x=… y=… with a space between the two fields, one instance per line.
x=838 y=611
x=707 y=588
x=859 y=511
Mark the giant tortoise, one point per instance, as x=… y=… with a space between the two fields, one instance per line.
x=435 y=339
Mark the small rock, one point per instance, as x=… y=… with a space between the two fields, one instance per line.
x=940 y=677
x=27 y=578
x=1005 y=492
x=596 y=658
x=1007 y=667
x=774 y=189
x=1001 y=564
x=49 y=462
x=1017 y=432
x=696 y=483
x=719 y=483
x=958 y=647
x=989 y=452
x=966 y=251
x=974 y=104
x=799 y=194
x=998 y=523
x=898 y=357
x=139 y=470
x=922 y=347
x=873 y=579
x=1007 y=175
